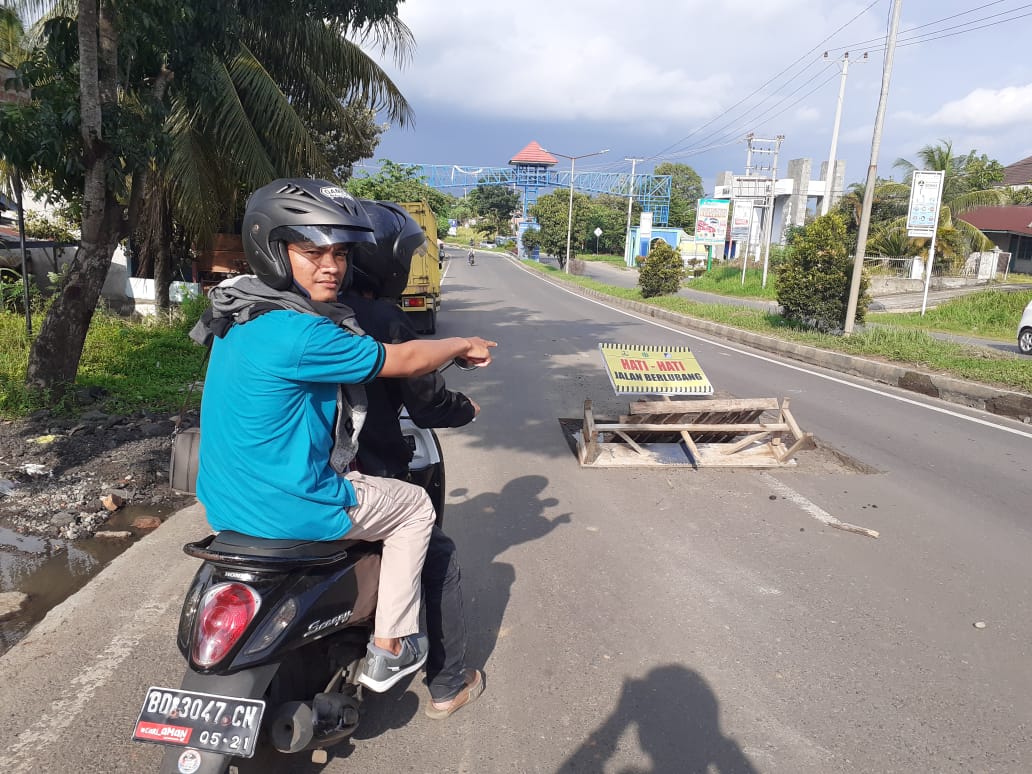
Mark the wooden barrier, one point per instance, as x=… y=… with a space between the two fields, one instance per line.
x=750 y=433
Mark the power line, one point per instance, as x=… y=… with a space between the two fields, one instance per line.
x=766 y=83
x=935 y=36
x=881 y=39
x=748 y=120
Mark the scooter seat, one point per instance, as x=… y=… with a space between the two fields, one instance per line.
x=285 y=547
x=230 y=547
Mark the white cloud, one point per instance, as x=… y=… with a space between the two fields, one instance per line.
x=675 y=64
x=807 y=114
x=988 y=109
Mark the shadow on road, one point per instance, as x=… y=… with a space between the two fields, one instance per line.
x=677 y=717
x=490 y=524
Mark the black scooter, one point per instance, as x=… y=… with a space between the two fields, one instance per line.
x=273 y=632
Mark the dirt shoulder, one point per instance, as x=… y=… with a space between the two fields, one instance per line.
x=62 y=477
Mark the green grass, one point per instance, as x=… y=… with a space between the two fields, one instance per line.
x=991 y=314
x=727 y=281
x=614 y=260
x=889 y=343
x=140 y=365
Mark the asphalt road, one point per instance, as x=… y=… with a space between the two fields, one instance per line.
x=652 y=620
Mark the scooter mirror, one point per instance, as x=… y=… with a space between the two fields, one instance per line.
x=464 y=364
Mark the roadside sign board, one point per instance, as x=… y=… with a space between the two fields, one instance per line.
x=711 y=221
x=649 y=369
x=741 y=219
x=925 y=198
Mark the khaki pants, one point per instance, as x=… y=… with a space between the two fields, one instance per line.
x=401 y=515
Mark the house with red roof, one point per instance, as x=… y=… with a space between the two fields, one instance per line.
x=1018 y=174
x=1009 y=228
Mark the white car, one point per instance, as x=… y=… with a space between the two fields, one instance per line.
x=1025 y=331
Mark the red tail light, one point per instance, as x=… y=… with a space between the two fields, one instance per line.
x=225 y=613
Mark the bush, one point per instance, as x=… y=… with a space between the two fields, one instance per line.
x=813 y=282
x=661 y=271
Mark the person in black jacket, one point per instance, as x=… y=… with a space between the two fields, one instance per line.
x=378 y=277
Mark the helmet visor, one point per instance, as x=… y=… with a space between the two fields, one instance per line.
x=320 y=235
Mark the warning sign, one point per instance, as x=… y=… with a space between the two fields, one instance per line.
x=635 y=368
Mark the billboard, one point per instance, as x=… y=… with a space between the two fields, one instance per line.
x=711 y=221
x=925 y=198
x=741 y=219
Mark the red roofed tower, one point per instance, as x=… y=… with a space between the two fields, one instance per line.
x=532 y=165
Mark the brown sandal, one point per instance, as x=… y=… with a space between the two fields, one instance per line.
x=469 y=694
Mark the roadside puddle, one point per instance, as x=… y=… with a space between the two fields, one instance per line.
x=49 y=570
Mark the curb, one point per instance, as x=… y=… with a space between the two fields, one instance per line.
x=994 y=400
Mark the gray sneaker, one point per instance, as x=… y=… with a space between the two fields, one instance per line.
x=380 y=670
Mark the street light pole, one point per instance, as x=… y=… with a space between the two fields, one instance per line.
x=628 y=252
x=569 y=220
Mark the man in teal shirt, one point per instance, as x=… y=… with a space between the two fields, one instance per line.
x=281 y=411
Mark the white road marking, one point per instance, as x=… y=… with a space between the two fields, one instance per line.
x=49 y=729
x=810 y=508
x=791 y=366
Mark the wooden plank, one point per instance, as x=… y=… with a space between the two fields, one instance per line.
x=746 y=442
x=692 y=406
x=590 y=435
x=693 y=427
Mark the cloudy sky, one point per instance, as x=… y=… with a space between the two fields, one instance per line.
x=685 y=80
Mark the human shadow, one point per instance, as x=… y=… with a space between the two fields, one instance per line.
x=484 y=527
x=677 y=717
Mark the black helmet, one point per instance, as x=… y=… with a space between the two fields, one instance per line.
x=383 y=269
x=298 y=210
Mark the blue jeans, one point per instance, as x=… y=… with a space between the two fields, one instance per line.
x=445 y=622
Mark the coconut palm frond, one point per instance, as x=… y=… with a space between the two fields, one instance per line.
x=291 y=145
x=312 y=46
x=891 y=241
x=195 y=177
x=907 y=166
x=975 y=239
x=892 y=190
x=993 y=197
x=390 y=35
x=228 y=122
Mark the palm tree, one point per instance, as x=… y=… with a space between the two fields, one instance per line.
x=956 y=238
x=251 y=126
x=889 y=201
x=233 y=122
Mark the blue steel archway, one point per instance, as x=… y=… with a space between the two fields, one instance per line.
x=652 y=192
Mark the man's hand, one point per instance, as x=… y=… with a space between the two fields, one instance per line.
x=479 y=353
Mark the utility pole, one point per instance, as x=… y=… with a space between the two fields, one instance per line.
x=872 y=171
x=769 y=148
x=628 y=251
x=770 y=222
x=829 y=183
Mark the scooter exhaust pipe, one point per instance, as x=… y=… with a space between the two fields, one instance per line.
x=293 y=727
x=298 y=725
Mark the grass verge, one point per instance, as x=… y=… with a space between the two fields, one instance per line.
x=890 y=343
x=137 y=366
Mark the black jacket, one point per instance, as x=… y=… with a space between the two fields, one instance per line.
x=382 y=450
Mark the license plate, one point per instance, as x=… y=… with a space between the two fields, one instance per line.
x=222 y=724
